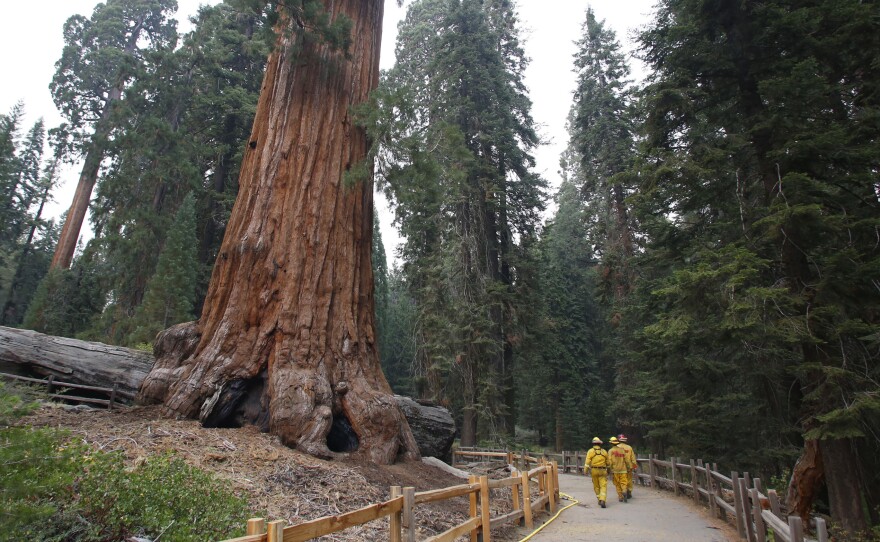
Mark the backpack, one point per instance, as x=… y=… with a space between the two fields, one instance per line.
x=599 y=459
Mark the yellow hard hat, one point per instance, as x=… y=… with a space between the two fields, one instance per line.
x=613 y=440
x=597 y=440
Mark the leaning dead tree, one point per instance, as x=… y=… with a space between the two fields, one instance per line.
x=286 y=339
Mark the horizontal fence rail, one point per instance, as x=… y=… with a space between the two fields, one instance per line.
x=52 y=386
x=400 y=509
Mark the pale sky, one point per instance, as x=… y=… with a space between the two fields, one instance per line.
x=31 y=43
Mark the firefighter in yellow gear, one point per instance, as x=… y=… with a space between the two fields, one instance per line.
x=632 y=456
x=620 y=464
x=597 y=465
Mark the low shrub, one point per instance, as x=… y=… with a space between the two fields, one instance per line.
x=53 y=488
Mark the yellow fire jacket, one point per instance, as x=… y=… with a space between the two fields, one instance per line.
x=620 y=460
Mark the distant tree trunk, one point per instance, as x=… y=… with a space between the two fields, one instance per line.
x=88 y=176
x=806 y=480
x=287 y=327
x=844 y=483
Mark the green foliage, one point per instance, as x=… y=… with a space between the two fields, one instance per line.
x=308 y=20
x=163 y=495
x=37 y=473
x=26 y=240
x=14 y=403
x=757 y=192
x=53 y=488
x=454 y=136
x=171 y=291
x=67 y=300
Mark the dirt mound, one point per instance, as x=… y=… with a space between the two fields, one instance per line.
x=280 y=483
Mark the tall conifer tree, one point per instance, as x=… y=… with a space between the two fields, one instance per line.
x=762 y=200
x=458 y=136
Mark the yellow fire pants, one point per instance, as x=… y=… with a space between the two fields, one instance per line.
x=600 y=482
x=620 y=481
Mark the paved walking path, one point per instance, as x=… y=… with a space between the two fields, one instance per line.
x=650 y=516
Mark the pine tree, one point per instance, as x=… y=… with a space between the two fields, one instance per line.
x=602 y=129
x=171 y=291
x=10 y=168
x=34 y=255
x=760 y=196
x=565 y=391
x=457 y=134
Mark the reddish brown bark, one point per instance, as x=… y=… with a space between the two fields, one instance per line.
x=88 y=176
x=287 y=326
x=806 y=481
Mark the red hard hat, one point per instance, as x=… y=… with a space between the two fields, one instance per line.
x=622 y=437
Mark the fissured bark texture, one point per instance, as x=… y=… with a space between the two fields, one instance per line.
x=286 y=338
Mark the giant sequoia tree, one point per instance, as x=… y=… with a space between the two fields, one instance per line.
x=287 y=337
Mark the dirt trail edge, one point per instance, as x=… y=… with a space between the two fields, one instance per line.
x=650 y=516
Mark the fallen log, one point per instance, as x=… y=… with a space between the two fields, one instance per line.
x=28 y=353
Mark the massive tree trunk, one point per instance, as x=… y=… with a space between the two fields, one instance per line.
x=287 y=326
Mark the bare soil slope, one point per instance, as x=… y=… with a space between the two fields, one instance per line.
x=280 y=483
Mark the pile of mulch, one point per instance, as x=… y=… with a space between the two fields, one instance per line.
x=280 y=483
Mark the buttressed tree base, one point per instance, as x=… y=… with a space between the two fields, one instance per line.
x=286 y=339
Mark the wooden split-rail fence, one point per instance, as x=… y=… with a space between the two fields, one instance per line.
x=56 y=389
x=754 y=512
x=740 y=499
x=400 y=508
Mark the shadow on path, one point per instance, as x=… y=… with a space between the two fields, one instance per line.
x=650 y=516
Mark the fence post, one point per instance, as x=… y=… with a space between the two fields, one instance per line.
x=719 y=493
x=674 y=463
x=472 y=479
x=556 y=480
x=695 y=484
x=256 y=526
x=774 y=503
x=821 y=530
x=276 y=531
x=113 y=396
x=484 y=509
x=517 y=505
x=737 y=505
x=760 y=530
x=796 y=529
x=527 y=500
x=710 y=491
x=744 y=495
x=551 y=487
x=409 y=519
x=50 y=385
x=652 y=469
x=395 y=521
